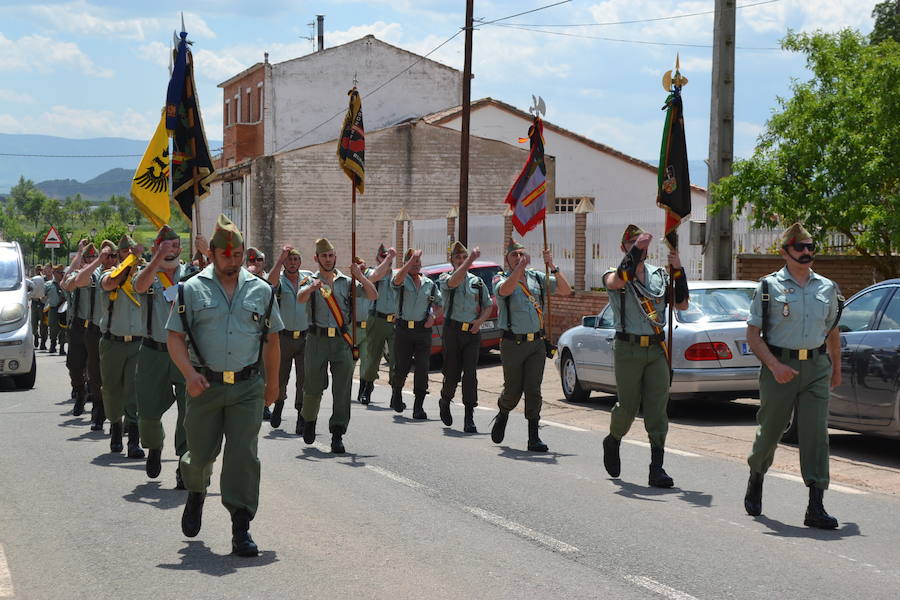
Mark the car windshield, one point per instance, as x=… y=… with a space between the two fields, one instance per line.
x=717 y=305
x=10 y=277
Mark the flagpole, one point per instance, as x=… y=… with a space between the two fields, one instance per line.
x=354 y=350
x=547 y=275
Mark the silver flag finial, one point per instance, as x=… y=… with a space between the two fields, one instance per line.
x=538 y=108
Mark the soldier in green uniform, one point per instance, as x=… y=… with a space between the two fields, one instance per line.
x=286 y=277
x=792 y=330
x=365 y=310
x=637 y=292
x=256 y=262
x=328 y=294
x=37 y=303
x=159 y=382
x=521 y=296
x=53 y=299
x=123 y=325
x=231 y=321
x=47 y=274
x=467 y=303
x=379 y=328
x=418 y=306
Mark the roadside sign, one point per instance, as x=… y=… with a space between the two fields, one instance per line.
x=52 y=239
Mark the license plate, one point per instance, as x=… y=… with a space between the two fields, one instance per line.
x=487 y=325
x=745 y=348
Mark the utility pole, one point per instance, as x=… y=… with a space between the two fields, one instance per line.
x=464 y=133
x=717 y=254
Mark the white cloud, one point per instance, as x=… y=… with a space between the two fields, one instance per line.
x=79 y=123
x=832 y=15
x=15 y=96
x=217 y=67
x=696 y=30
x=43 y=54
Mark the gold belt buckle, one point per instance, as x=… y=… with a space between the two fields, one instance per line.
x=411 y=324
x=296 y=335
x=128 y=338
x=529 y=337
x=803 y=354
x=465 y=326
x=228 y=377
x=391 y=318
x=645 y=341
x=362 y=324
x=332 y=332
x=86 y=323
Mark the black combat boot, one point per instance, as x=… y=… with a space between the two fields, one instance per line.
x=241 y=542
x=267 y=413
x=80 y=399
x=115 y=437
x=179 y=482
x=498 y=431
x=154 y=462
x=52 y=347
x=815 y=512
x=98 y=415
x=446 y=417
x=299 y=427
x=611 y=460
x=362 y=396
x=397 y=401
x=337 y=443
x=534 y=440
x=658 y=476
x=309 y=432
x=469 y=420
x=134 y=442
x=753 y=497
x=62 y=348
x=418 y=411
x=370 y=387
x=192 y=517
x=275 y=421
x=43 y=344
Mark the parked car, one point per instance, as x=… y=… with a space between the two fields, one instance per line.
x=16 y=340
x=868 y=399
x=490 y=332
x=711 y=356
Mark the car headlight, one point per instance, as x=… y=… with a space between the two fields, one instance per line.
x=12 y=312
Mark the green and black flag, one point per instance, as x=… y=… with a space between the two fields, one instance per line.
x=192 y=166
x=674 y=180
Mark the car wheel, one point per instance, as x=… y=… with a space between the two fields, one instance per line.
x=26 y=381
x=790 y=435
x=571 y=386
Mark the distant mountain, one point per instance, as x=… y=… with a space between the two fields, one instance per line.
x=65 y=158
x=101 y=187
x=698 y=169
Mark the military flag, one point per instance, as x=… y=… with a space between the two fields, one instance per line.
x=673 y=179
x=527 y=197
x=150 y=185
x=192 y=166
x=352 y=144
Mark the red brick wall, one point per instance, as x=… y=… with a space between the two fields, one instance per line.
x=243 y=137
x=851 y=273
x=567 y=312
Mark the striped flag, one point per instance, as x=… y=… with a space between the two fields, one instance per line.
x=352 y=144
x=673 y=179
x=528 y=195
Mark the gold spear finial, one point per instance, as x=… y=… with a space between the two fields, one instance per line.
x=669 y=81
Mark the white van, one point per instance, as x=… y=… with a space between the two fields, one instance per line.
x=16 y=340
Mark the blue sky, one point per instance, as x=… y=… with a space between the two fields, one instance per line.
x=95 y=68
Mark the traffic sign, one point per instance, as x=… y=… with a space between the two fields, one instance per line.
x=52 y=239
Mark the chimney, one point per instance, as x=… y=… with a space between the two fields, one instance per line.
x=320 y=25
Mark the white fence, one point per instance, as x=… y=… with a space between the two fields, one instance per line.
x=747 y=240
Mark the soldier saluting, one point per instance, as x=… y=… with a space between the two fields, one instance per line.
x=792 y=330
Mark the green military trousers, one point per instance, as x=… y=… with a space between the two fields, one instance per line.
x=523 y=372
x=362 y=333
x=118 y=364
x=809 y=391
x=159 y=385
x=322 y=351
x=56 y=327
x=37 y=317
x=642 y=378
x=229 y=411
x=76 y=359
x=292 y=353
x=378 y=334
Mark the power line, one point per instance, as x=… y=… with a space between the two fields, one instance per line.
x=80 y=155
x=481 y=22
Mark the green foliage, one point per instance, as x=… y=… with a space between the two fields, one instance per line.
x=830 y=157
x=887 y=22
x=103 y=214
x=113 y=232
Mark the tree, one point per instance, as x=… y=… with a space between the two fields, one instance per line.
x=829 y=157
x=887 y=22
x=104 y=214
x=19 y=193
x=53 y=213
x=33 y=205
x=126 y=209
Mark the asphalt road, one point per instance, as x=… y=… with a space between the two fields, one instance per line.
x=417 y=510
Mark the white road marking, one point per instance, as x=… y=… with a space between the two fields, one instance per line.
x=659 y=588
x=6 y=586
x=834 y=486
x=398 y=478
x=486 y=408
x=668 y=450
x=563 y=426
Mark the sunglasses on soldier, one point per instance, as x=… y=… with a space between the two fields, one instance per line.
x=801 y=246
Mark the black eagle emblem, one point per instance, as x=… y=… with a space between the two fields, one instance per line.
x=156 y=177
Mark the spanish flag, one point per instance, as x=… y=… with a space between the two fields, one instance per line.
x=352 y=145
x=150 y=186
x=527 y=197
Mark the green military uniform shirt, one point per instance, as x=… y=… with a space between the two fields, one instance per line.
x=518 y=308
x=294 y=315
x=155 y=296
x=364 y=306
x=656 y=279
x=466 y=301
x=53 y=294
x=127 y=317
x=387 y=297
x=319 y=313
x=799 y=316
x=97 y=291
x=228 y=333
x=413 y=303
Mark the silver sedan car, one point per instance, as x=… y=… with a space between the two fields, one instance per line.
x=711 y=356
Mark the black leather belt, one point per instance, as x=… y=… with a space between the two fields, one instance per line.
x=523 y=337
x=229 y=377
x=150 y=343
x=410 y=324
x=325 y=331
x=643 y=340
x=122 y=338
x=83 y=323
x=295 y=335
x=361 y=324
x=389 y=317
x=460 y=325
x=801 y=354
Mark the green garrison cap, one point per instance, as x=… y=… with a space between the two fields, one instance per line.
x=90 y=251
x=631 y=233
x=458 y=248
x=294 y=252
x=793 y=234
x=109 y=244
x=408 y=254
x=253 y=253
x=226 y=236
x=165 y=233
x=126 y=242
x=513 y=245
x=382 y=252
x=323 y=245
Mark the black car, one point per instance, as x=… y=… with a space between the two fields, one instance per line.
x=868 y=399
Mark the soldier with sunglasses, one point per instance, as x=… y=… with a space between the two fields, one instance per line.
x=792 y=330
